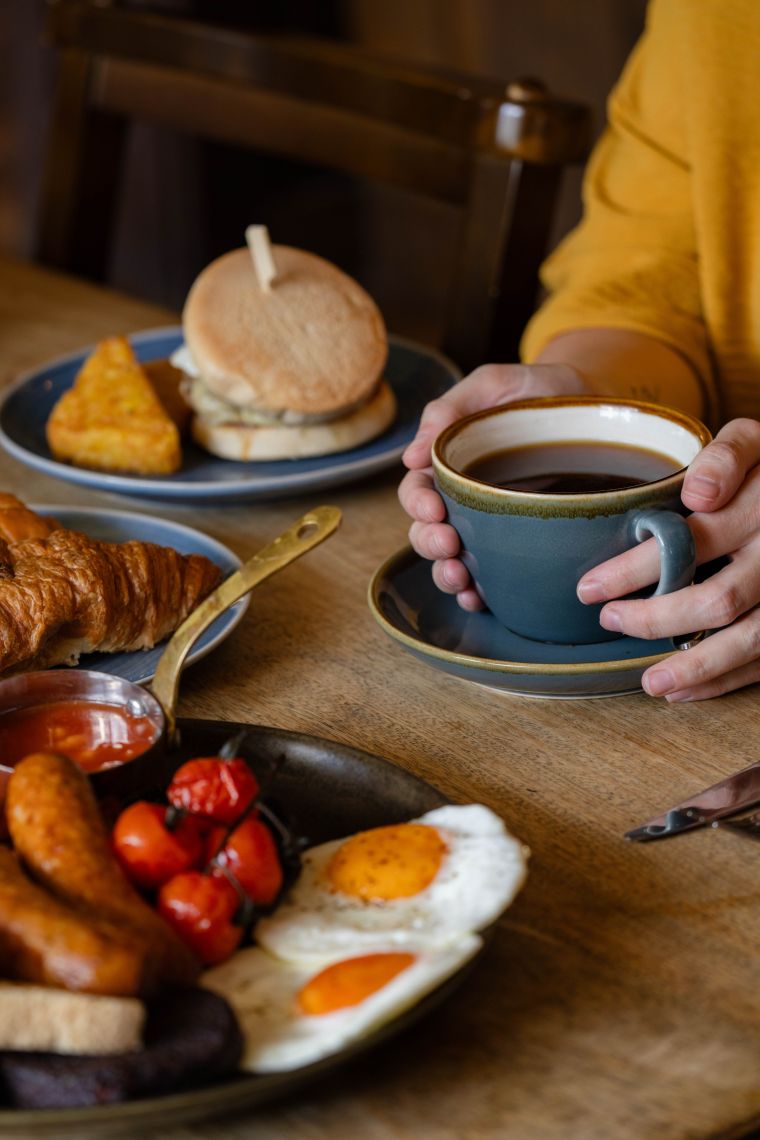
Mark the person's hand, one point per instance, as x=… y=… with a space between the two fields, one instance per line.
x=722 y=487
x=486 y=387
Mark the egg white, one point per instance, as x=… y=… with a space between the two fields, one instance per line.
x=262 y=991
x=481 y=872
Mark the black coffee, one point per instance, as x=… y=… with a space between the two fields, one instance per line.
x=572 y=467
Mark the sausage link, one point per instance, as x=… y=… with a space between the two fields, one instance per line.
x=43 y=940
x=58 y=832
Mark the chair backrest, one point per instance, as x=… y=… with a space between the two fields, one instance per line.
x=497 y=152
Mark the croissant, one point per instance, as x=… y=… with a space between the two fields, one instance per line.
x=17 y=521
x=67 y=594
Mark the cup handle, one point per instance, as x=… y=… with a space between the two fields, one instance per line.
x=678 y=552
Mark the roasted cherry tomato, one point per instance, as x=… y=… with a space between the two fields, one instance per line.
x=153 y=843
x=218 y=790
x=201 y=908
x=249 y=853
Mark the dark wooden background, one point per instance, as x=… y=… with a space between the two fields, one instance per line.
x=185 y=201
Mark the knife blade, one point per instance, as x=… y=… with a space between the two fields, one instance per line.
x=738 y=791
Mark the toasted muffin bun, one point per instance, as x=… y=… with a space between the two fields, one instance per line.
x=315 y=345
x=299 y=441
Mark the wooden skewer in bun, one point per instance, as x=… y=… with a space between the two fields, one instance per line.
x=257 y=239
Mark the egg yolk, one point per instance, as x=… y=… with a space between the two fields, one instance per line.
x=349 y=982
x=393 y=862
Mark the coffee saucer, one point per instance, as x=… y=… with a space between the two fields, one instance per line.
x=407 y=605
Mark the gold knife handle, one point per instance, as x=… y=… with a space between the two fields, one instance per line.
x=313 y=528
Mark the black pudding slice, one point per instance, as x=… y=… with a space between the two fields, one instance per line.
x=191 y=1037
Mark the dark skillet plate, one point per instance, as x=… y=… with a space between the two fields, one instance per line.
x=329 y=790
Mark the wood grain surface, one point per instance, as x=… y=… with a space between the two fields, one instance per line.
x=620 y=998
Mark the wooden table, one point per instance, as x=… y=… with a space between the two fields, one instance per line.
x=620 y=999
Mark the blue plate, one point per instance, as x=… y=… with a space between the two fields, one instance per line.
x=416 y=375
x=475 y=647
x=121 y=526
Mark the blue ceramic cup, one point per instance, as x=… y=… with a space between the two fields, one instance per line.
x=525 y=549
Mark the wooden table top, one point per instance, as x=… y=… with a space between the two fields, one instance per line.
x=620 y=998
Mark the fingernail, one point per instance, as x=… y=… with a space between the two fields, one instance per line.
x=590 y=590
x=659 y=682
x=612 y=620
x=682 y=695
x=704 y=486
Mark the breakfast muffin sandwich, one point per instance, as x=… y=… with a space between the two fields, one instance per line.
x=283 y=368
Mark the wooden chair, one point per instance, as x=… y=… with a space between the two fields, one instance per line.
x=495 y=152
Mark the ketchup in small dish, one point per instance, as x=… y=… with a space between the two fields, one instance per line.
x=94 y=734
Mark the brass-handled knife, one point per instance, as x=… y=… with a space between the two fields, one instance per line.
x=736 y=792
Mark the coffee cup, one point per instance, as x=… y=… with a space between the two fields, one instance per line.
x=541 y=491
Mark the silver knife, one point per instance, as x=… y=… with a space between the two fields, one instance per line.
x=742 y=790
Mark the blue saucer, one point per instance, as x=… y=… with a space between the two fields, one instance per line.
x=475 y=647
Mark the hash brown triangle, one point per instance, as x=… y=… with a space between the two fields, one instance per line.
x=111 y=418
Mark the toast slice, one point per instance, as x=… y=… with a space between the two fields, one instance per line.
x=112 y=419
x=44 y=1019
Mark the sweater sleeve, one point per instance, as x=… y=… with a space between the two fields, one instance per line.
x=632 y=262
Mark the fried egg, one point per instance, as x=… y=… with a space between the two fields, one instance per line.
x=292 y=1014
x=412 y=886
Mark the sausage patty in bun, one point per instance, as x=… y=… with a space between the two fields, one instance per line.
x=282 y=373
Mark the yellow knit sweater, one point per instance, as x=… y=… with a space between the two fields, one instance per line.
x=670 y=240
